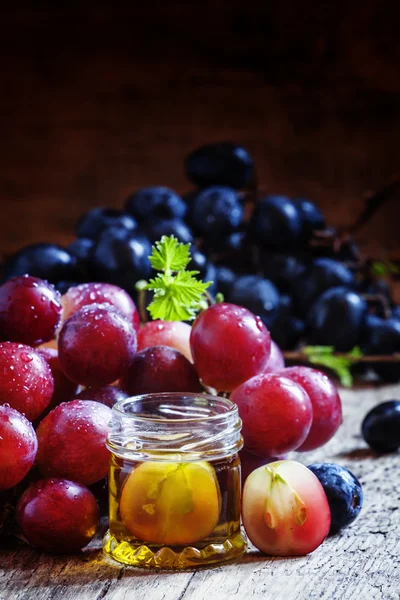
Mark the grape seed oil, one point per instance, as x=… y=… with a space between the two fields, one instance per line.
x=178 y=506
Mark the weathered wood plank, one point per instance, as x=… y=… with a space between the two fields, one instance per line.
x=361 y=563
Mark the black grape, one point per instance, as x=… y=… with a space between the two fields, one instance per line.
x=258 y=295
x=222 y=163
x=155 y=202
x=94 y=222
x=336 y=319
x=275 y=223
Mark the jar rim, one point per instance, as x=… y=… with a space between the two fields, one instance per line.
x=231 y=407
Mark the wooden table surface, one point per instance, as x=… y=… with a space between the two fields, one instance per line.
x=361 y=563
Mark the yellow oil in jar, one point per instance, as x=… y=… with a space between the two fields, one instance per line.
x=174 y=513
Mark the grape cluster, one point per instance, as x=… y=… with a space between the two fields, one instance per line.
x=56 y=396
x=272 y=254
x=71 y=341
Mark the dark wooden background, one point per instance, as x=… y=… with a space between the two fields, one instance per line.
x=96 y=101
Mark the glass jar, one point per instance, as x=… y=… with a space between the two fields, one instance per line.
x=174 y=481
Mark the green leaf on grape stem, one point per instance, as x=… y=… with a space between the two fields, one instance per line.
x=381 y=269
x=169 y=254
x=325 y=357
x=178 y=295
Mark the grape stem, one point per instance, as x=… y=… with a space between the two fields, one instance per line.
x=387 y=311
x=381 y=358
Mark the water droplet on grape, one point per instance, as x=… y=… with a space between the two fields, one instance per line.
x=26 y=357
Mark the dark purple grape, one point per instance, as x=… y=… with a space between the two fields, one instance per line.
x=344 y=493
x=382 y=336
x=258 y=295
x=82 y=249
x=206 y=269
x=396 y=312
x=287 y=330
x=381 y=426
x=225 y=280
x=156 y=202
x=122 y=258
x=92 y=224
x=282 y=269
x=216 y=211
x=176 y=227
x=312 y=218
x=275 y=223
x=220 y=163
x=323 y=274
x=46 y=261
x=336 y=319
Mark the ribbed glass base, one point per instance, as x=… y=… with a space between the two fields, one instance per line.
x=140 y=555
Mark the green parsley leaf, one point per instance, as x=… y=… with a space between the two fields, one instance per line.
x=169 y=255
x=176 y=298
x=325 y=357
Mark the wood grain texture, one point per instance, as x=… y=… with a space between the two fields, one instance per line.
x=362 y=562
x=96 y=102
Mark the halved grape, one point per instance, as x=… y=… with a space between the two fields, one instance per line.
x=171 y=503
x=285 y=509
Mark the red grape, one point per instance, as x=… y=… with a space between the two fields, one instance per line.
x=276 y=362
x=26 y=381
x=166 y=333
x=85 y=294
x=96 y=345
x=160 y=369
x=72 y=441
x=30 y=310
x=229 y=345
x=285 y=509
x=276 y=414
x=57 y=515
x=64 y=388
x=325 y=400
x=18 y=447
x=108 y=395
